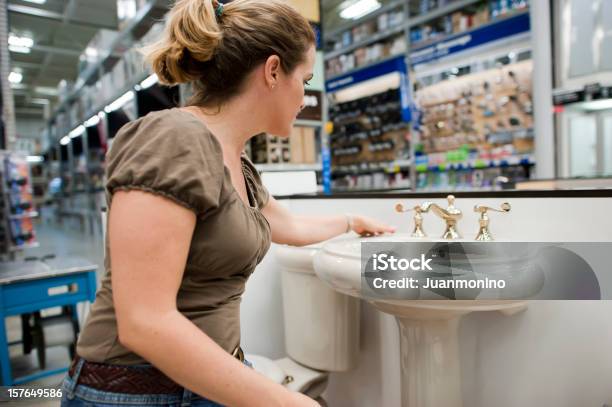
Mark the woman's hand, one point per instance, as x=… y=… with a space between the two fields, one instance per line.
x=369 y=227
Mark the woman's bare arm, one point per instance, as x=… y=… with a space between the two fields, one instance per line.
x=149 y=241
x=302 y=230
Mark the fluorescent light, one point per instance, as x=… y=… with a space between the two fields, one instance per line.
x=36 y=1
x=65 y=140
x=40 y=101
x=92 y=121
x=597 y=104
x=150 y=81
x=91 y=53
x=15 y=77
x=19 y=50
x=355 y=10
x=77 y=132
x=46 y=90
x=35 y=159
x=119 y=102
x=20 y=41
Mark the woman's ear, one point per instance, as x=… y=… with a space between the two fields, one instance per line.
x=272 y=70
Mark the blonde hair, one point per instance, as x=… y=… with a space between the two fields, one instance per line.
x=216 y=52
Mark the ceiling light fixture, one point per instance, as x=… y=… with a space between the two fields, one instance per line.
x=65 y=140
x=46 y=90
x=15 y=77
x=92 y=121
x=353 y=10
x=77 y=132
x=36 y=1
x=17 y=41
x=19 y=50
x=119 y=102
x=150 y=81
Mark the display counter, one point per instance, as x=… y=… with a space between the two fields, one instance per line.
x=407 y=194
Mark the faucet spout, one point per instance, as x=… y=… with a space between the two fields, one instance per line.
x=451 y=215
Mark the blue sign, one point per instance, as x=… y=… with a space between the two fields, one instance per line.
x=316 y=27
x=397 y=64
x=405 y=97
x=461 y=42
x=370 y=72
x=326 y=173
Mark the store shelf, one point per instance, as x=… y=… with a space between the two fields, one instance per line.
x=519 y=159
x=23 y=247
x=308 y=123
x=386 y=8
x=25 y=215
x=427 y=43
x=139 y=25
x=288 y=167
x=441 y=11
x=371 y=40
x=129 y=86
x=391 y=190
x=365 y=167
x=39 y=180
x=363 y=67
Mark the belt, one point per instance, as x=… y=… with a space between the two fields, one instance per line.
x=129 y=379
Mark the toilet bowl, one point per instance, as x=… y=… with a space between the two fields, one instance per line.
x=321 y=327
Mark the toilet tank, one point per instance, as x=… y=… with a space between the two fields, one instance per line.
x=321 y=325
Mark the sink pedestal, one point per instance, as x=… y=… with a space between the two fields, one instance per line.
x=429 y=344
x=429 y=347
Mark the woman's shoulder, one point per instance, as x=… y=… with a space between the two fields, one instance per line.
x=170 y=153
x=174 y=127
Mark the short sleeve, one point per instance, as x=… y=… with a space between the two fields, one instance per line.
x=170 y=155
x=261 y=192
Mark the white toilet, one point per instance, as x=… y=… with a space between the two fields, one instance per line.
x=321 y=327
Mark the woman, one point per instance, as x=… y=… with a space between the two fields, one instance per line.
x=189 y=218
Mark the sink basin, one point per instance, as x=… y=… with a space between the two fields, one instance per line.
x=428 y=328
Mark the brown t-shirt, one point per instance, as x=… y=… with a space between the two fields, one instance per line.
x=172 y=154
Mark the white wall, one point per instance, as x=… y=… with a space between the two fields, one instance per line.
x=556 y=354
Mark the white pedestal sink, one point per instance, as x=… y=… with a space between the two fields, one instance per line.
x=428 y=328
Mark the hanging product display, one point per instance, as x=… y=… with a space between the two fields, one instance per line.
x=18 y=207
x=481 y=121
x=369 y=136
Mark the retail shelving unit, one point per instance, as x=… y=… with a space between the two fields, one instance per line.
x=441 y=40
x=111 y=92
x=82 y=126
x=17 y=211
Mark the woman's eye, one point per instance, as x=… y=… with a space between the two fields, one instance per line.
x=307 y=83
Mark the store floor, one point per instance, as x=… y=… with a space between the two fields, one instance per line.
x=62 y=240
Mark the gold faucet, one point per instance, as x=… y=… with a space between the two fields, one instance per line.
x=484 y=235
x=418 y=219
x=451 y=216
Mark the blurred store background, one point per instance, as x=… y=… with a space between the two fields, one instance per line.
x=408 y=95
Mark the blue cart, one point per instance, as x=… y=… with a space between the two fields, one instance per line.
x=31 y=286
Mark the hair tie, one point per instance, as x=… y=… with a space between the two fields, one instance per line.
x=219 y=10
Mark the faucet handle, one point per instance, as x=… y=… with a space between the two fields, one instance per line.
x=418 y=218
x=451 y=206
x=483 y=232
